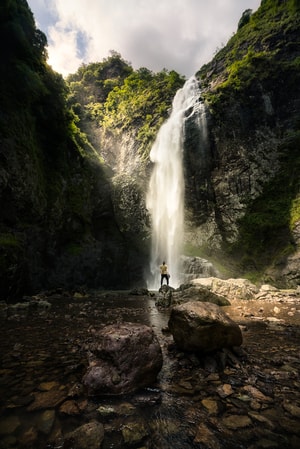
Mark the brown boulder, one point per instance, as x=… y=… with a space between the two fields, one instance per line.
x=126 y=357
x=203 y=327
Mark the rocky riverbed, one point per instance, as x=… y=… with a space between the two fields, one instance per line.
x=242 y=398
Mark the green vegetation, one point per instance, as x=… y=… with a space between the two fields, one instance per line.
x=111 y=96
x=8 y=240
x=47 y=164
x=266 y=228
x=249 y=59
x=56 y=199
x=37 y=123
x=295 y=211
x=262 y=57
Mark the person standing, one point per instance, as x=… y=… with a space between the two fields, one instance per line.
x=164 y=273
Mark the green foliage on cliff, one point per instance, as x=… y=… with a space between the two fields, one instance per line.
x=262 y=51
x=112 y=97
x=271 y=217
x=55 y=198
x=262 y=60
x=47 y=164
x=141 y=102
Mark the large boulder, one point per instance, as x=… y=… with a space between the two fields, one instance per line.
x=125 y=358
x=168 y=296
x=228 y=288
x=198 y=293
x=196 y=267
x=203 y=327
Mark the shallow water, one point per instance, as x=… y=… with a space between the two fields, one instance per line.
x=46 y=350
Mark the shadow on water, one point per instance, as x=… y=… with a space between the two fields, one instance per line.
x=44 y=350
x=44 y=356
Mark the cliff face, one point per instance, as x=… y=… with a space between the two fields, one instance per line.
x=241 y=155
x=243 y=197
x=74 y=163
x=58 y=226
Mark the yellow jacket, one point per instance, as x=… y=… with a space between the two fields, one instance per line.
x=163 y=269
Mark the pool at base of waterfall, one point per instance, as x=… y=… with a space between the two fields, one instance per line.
x=242 y=398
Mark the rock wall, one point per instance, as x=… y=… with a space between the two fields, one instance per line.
x=242 y=180
x=232 y=172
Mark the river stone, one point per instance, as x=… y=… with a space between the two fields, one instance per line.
x=45 y=421
x=236 y=421
x=9 y=425
x=203 y=327
x=126 y=357
x=87 y=436
x=206 y=437
x=48 y=399
x=134 y=432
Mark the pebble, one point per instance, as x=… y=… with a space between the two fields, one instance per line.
x=255 y=396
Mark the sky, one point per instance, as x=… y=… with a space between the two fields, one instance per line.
x=179 y=35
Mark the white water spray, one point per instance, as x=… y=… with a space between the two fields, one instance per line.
x=165 y=197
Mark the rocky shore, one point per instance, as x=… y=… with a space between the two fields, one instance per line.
x=243 y=397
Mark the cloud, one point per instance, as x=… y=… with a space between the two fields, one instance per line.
x=63 y=51
x=172 y=34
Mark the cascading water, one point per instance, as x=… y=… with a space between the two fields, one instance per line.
x=165 y=197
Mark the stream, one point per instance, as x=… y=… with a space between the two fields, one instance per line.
x=248 y=398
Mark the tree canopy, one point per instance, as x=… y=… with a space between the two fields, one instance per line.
x=116 y=98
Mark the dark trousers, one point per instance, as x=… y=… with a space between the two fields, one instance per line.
x=162 y=279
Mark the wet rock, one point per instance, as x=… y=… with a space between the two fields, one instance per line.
x=33 y=359
x=203 y=327
x=125 y=358
x=121 y=410
x=225 y=390
x=261 y=419
x=165 y=296
x=186 y=293
x=47 y=399
x=46 y=421
x=69 y=408
x=211 y=406
x=134 y=432
x=147 y=399
x=76 y=390
x=198 y=293
x=47 y=386
x=9 y=425
x=182 y=388
x=236 y=421
x=256 y=394
x=106 y=411
x=292 y=408
x=88 y=436
x=206 y=437
x=29 y=437
x=125 y=409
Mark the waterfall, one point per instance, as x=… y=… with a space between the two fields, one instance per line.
x=165 y=197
